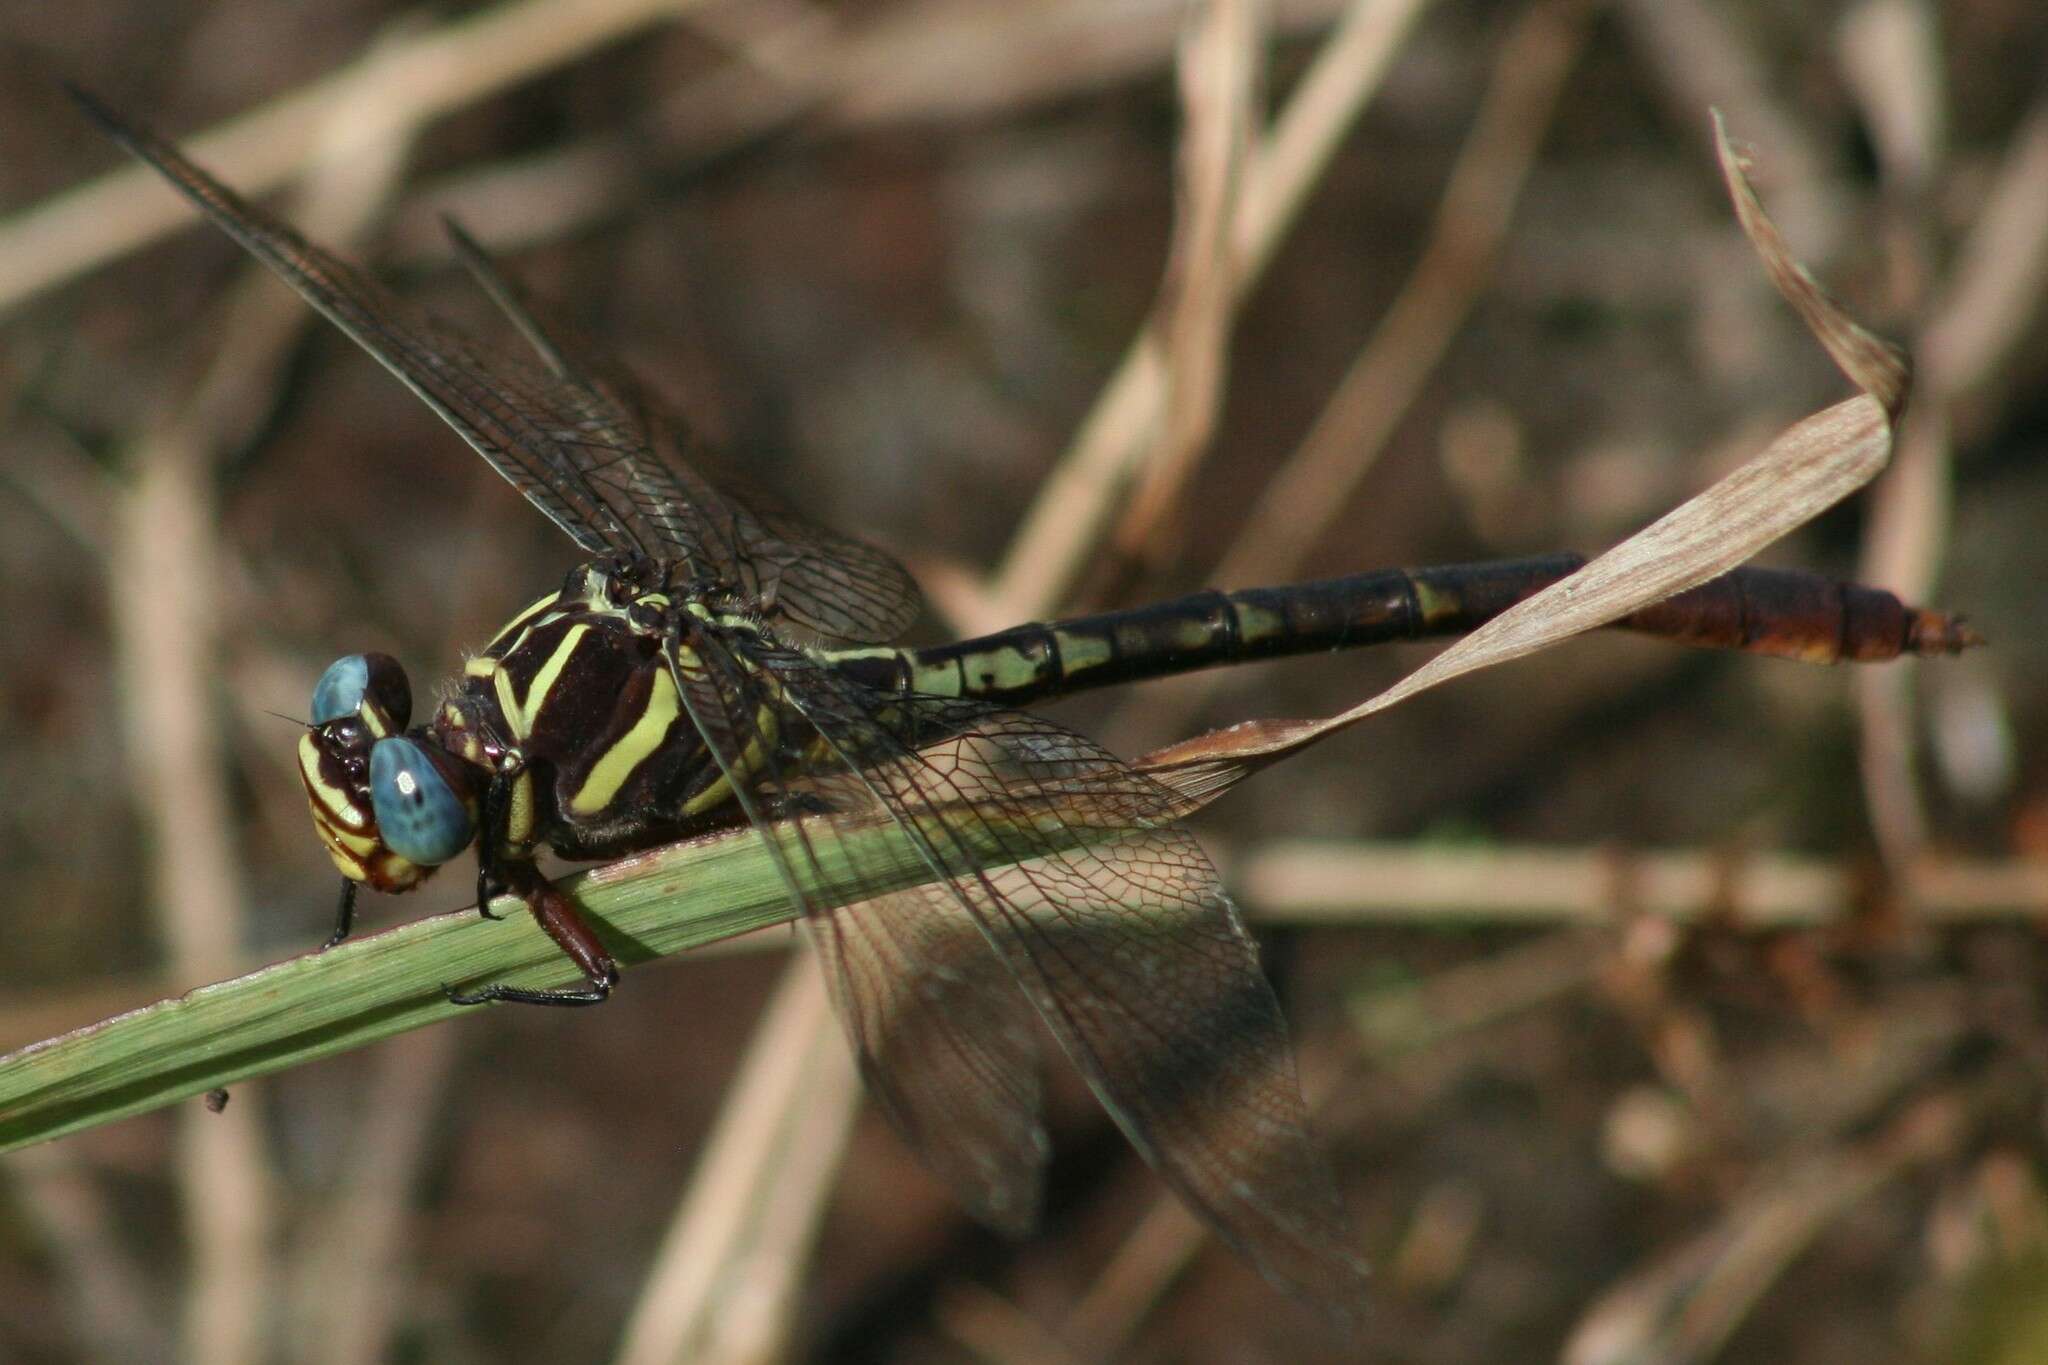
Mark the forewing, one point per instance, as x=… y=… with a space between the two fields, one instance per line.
x=1114 y=923
x=540 y=433
x=579 y=438
x=795 y=570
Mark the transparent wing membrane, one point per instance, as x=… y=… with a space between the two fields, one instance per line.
x=1068 y=867
x=576 y=435
x=833 y=585
x=946 y=1044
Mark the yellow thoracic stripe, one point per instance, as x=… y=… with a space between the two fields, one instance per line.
x=767 y=727
x=508 y=701
x=610 y=772
x=519 y=815
x=519 y=622
x=510 y=637
x=521 y=712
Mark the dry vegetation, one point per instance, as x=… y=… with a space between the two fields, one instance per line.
x=1774 y=1091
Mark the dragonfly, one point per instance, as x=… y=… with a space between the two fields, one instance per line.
x=718 y=660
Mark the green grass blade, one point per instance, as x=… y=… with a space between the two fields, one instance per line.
x=648 y=906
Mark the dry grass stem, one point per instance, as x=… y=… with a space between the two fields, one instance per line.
x=352 y=1273
x=796 y=75
x=1058 y=534
x=1908 y=523
x=1221 y=56
x=721 y=1286
x=406 y=83
x=66 y=486
x=1684 y=1305
x=997 y=1332
x=1332 y=882
x=1159 y=1248
x=1889 y=60
x=108 y=1302
x=1313 y=488
x=972 y=59
x=1891 y=57
x=1812 y=466
x=1700 y=62
x=1994 y=290
x=1403 y=1020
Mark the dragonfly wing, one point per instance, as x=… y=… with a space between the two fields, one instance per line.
x=944 y=1041
x=576 y=436
x=947 y=1046
x=1114 y=923
x=534 y=430
x=797 y=571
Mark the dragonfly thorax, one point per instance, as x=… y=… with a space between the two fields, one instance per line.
x=573 y=709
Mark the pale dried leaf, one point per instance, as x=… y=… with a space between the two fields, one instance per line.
x=1810 y=467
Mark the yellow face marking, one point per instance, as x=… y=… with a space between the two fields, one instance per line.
x=393 y=874
x=609 y=773
x=544 y=680
x=349 y=852
x=328 y=799
x=349 y=867
x=358 y=846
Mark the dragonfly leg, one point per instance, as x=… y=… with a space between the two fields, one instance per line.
x=344 y=915
x=559 y=920
x=490 y=831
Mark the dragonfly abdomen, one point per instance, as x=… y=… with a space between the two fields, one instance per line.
x=1760 y=611
x=1201 y=630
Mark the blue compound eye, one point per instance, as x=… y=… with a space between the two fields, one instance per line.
x=340 y=689
x=419 y=815
x=350 y=680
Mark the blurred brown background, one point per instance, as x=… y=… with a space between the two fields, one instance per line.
x=893 y=252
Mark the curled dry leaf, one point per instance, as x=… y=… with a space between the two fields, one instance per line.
x=1809 y=468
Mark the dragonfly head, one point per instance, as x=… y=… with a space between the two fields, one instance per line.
x=390 y=807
